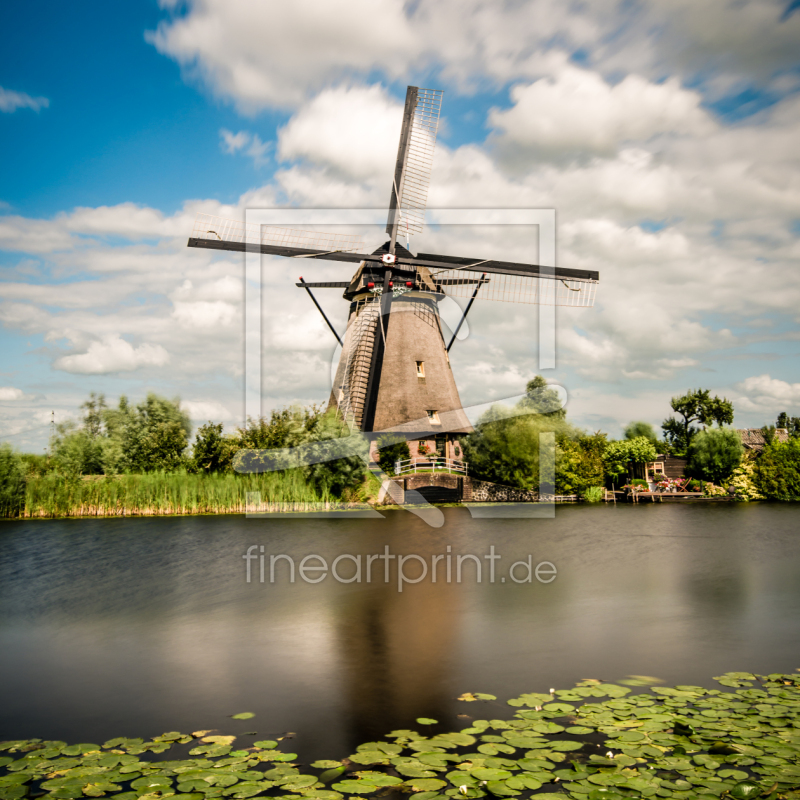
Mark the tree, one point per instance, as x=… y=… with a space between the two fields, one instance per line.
x=790 y=424
x=285 y=427
x=714 y=454
x=695 y=406
x=579 y=461
x=505 y=449
x=618 y=456
x=93 y=419
x=308 y=436
x=150 y=436
x=541 y=399
x=636 y=429
x=155 y=435
x=391 y=449
x=337 y=476
x=777 y=470
x=75 y=452
x=212 y=452
x=12 y=483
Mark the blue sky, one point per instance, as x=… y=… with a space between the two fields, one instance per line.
x=664 y=134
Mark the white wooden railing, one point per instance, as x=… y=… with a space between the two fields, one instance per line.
x=430 y=463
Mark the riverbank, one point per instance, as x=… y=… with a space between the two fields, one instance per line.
x=167 y=494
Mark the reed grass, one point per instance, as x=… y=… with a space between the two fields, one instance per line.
x=160 y=493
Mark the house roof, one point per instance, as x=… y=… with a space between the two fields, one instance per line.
x=753 y=438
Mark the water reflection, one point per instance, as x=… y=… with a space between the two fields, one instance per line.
x=397 y=651
x=134 y=627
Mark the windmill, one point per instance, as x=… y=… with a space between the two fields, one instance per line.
x=394 y=370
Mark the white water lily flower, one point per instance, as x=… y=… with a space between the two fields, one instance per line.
x=463 y=789
x=609 y=754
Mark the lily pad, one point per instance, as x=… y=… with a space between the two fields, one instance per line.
x=488 y=774
x=356 y=787
x=427 y=721
x=426 y=784
x=243 y=715
x=745 y=789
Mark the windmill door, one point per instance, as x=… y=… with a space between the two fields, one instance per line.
x=441 y=446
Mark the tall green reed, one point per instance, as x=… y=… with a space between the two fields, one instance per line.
x=169 y=493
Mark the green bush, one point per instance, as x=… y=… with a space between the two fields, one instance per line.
x=212 y=451
x=618 y=456
x=579 y=461
x=594 y=494
x=742 y=485
x=12 y=483
x=391 y=450
x=714 y=454
x=776 y=474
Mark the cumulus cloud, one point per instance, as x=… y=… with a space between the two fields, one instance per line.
x=268 y=55
x=765 y=392
x=201 y=411
x=276 y=54
x=204 y=315
x=10 y=393
x=10 y=101
x=577 y=111
x=355 y=130
x=113 y=354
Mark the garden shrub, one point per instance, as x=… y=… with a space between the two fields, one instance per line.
x=776 y=474
x=391 y=450
x=742 y=483
x=714 y=454
x=594 y=494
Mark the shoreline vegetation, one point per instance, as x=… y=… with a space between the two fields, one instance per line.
x=161 y=494
x=596 y=741
x=137 y=460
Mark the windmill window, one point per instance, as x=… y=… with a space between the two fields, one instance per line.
x=433 y=418
x=420 y=369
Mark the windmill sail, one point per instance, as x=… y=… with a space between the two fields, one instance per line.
x=352 y=376
x=414 y=162
x=239 y=236
x=510 y=288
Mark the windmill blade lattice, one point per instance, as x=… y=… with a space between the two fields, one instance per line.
x=207 y=226
x=509 y=288
x=415 y=160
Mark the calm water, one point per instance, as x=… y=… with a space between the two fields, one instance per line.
x=135 y=627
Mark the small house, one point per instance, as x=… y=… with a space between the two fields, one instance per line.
x=754 y=439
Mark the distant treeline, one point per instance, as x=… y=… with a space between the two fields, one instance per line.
x=138 y=459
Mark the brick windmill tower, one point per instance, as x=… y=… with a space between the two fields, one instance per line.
x=394 y=371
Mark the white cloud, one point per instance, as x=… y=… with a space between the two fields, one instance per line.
x=202 y=411
x=578 y=112
x=9 y=393
x=10 y=101
x=355 y=130
x=266 y=55
x=765 y=392
x=248 y=143
x=275 y=54
x=205 y=315
x=233 y=142
x=113 y=354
